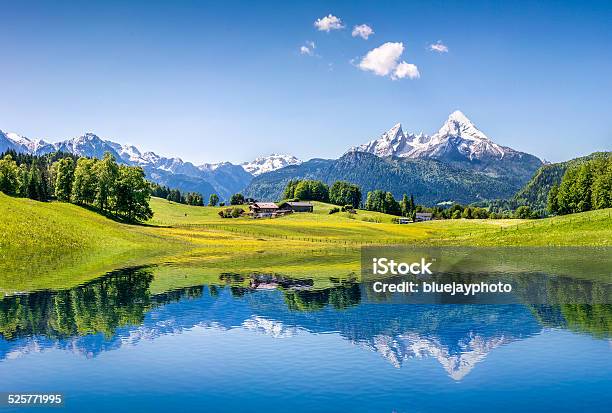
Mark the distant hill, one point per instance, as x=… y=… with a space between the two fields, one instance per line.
x=431 y=181
x=535 y=191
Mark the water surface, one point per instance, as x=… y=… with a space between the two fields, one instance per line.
x=253 y=342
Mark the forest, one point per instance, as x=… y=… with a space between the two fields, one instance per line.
x=112 y=189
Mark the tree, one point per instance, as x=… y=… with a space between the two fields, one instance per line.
x=194 y=199
x=467 y=213
x=523 y=212
x=85 y=182
x=375 y=200
x=175 y=196
x=64 y=177
x=9 y=176
x=34 y=188
x=133 y=194
x=380 y=201
x=391 y=206
x=159 y=191
x=480 y=213
x=289 y=191
x=311 y=190
x=106 y=172
x=552 y=204
x=213 y=200
x=601 y=193
x=23 y=180
x=345 y=193
x=237 y=199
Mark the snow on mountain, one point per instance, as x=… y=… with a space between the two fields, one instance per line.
x=8 y=144
x=269 y=163
x=457 y=139
x=394 y=142
x=473 y=349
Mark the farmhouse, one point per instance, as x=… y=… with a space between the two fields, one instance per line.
x=297 y=206
x=423 y=216
x=263 y=209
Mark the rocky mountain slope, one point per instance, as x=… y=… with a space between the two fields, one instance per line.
x=431 y=181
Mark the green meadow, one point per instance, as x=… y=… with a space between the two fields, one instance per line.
x=58 y=245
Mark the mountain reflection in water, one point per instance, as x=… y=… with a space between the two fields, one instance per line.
x=119 y=310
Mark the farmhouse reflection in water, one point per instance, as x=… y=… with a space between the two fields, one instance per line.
x=119 y=310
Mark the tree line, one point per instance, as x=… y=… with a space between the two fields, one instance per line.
x=187 y=198
x=116 y=190
x=584 y=187
x=340 y=193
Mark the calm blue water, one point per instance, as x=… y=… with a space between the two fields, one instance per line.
x=112 y=345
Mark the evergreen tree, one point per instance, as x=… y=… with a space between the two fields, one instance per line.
x=34 y=187
x=405 y=205
x=175 y=196
x=553 y=202
x=289 y=192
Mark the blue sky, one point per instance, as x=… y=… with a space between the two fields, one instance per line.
x=227 y=81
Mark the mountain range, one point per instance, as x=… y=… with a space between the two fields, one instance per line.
x=457 y=163
x=222 y=178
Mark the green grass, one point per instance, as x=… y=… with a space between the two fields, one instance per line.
x=58 y=245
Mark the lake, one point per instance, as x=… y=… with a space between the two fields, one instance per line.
x=266 y=343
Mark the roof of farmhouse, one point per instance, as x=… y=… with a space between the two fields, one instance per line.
x=299 y=204
x=267 y=205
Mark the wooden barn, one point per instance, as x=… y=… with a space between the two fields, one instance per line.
x=297 y=206
x=263 y=209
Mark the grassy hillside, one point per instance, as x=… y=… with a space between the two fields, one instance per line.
x=56 y=245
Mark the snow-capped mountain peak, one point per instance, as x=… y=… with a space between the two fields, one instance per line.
x=394 y=142
x=458 y=124
x=457 y=139
x=269 y=163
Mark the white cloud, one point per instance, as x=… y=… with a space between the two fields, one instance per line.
x=308 y=48
x=438 y=47
x=363 y=30
x=384 y=61
x=327 y=23
x=406 y=70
